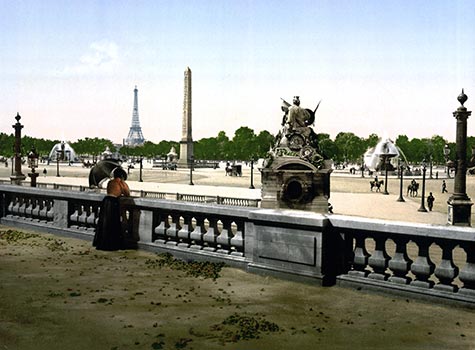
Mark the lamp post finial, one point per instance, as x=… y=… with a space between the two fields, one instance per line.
x=462 y=98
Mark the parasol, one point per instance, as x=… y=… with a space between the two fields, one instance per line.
x=102 y=171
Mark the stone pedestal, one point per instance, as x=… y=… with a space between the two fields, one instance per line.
x=459 y=204
x=17 y=176
x=17 y=179
x=295 y=184
x=459 y=211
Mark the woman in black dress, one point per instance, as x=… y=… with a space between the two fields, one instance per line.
x=109 y=234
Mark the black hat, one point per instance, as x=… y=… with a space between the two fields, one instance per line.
x=119 y=172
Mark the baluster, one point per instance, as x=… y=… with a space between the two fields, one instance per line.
x=28 y=209
x=223 y=240
x=91 y=218
x=10 y=206
x=209 y=238
x=172 y=231
x=184 y=233
x=379 y=260
x=237 y=241
x=160 y=230
x=446 y=271
x=467 y=274
x=35 y=213
x=83 y=218
x=423 y=267
x=16 y=206
x=73 y=218
x=21 y=208
x=50 y=212
x=43 y=210
x=196 y=236
x=360 y=260
x=400 y=262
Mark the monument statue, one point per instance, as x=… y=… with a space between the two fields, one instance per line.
x=295 y=174
x=296 y=137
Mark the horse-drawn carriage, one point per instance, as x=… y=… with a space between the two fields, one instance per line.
x=233 y=170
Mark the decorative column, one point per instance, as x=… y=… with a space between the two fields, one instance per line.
x=186 y=143
x=459 y=204
x=17 y=177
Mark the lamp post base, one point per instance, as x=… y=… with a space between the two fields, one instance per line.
x=17 y=179
x=33 y=177
x=459 y=211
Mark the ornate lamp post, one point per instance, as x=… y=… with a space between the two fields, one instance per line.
x=68 y=152
x=386 y=163
x=252 y=174
x=401 y=172
x=446 y=155
x=17 y=175
x=430 y=166
x=422 y=208
x=362 y=166
x=192 y=159
x=33 y=163
x=141 y=167
x=459 y=204
x=58 y=155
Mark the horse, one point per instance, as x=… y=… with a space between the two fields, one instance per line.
x=376 y=184
x=412 y=189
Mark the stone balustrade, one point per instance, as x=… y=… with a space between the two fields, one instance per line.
x=420 y=260
x=240 y=202
x=403 y=256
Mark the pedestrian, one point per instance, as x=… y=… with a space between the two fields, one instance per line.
x=45 y=172
x=109 y=234
x=444 y=186
x=430 y=201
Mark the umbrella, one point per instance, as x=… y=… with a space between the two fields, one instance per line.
x=101 y=171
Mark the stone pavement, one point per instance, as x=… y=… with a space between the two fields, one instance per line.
x=369 y=205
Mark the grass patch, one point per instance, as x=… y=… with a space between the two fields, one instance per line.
x=12 y=236
x=203 y=269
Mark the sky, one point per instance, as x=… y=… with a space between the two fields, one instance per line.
x=392 y=67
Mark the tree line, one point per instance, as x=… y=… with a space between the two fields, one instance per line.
x=246 y=144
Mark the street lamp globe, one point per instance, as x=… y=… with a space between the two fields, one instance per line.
x=33 y=159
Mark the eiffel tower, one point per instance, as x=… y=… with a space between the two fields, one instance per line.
x=135 y=137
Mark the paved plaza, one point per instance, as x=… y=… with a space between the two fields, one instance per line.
x=350 y=194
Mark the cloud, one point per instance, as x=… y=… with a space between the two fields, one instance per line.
x=101 y=58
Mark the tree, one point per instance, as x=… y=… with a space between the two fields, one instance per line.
x=93 y=147
x=243 y=143
x=327 y=146
x=350 y=147
x=263 y=143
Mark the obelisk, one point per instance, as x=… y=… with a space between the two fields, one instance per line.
x=186 y=143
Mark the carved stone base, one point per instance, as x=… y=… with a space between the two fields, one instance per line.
x=459 y=211
x=17 y=179
x=301 y=188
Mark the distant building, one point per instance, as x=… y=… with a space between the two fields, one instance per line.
x=135 y=137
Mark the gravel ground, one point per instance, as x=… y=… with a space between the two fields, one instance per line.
x=59 y=293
